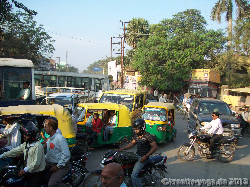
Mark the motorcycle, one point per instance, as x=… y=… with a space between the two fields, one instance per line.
x=151 y=174
x=224 y=148
x=9 y=174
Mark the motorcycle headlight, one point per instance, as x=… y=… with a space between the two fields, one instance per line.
x=204 y=123
x=235 y=125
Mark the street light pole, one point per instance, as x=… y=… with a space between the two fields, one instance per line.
x=59 y=63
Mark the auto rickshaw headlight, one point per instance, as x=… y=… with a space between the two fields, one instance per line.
x=161 y=128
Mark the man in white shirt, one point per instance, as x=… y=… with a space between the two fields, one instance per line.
x=110 y=126
x=156 y=94
x=162 y=99
x=216 y=129
x=13 y=136
x=58 y=154
x=25 y=92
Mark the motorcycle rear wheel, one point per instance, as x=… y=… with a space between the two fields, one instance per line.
x=223 y=157
x=183 y=155
x=93 y=180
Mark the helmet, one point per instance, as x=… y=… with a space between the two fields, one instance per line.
x=31 y=130
x=139 y=124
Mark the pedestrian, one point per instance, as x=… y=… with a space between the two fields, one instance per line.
x=245 y=116
x=162 y=98
x=112 y=176
x=156 y=94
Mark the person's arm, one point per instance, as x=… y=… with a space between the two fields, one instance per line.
x=207 y=126
x=131 y=144
x=65 y=153
x=154 y=148
x=113 y=122
x=14 y=152
x=26 y=94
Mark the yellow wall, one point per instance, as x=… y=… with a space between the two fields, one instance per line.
x=205 y=75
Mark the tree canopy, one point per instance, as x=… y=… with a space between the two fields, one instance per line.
x=165 y=60
x=22 y=38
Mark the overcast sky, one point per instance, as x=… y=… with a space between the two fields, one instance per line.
x=83 y=27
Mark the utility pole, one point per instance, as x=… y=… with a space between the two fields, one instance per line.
x=111 y=49
x=122 y=50
x=59 y=63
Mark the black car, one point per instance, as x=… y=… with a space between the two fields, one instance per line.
x=201 y=113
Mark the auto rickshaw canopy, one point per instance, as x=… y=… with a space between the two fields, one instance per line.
x=63 y=116
x=124 y=117
x=168 y=106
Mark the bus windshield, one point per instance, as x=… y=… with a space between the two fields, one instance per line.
x=124 y=99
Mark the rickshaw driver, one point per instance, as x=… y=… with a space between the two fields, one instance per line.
x=146 y=147
x=110 y=126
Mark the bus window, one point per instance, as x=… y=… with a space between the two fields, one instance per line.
x=13 y=81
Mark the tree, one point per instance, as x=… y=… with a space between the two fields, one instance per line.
x=226 y=6
x=6 y=8
x=242 y=37
x=165 y=60
x=137 y=29
x=22 y=38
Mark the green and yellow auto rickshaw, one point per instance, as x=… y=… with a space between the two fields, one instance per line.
x=160 y=121
x=122 y=132
x=38 y=113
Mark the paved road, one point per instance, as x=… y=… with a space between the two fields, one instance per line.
x=199 y=168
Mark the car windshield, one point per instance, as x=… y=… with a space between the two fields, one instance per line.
x=209 y=108
x=60 y=101
x=124 y=99
x=154 y=114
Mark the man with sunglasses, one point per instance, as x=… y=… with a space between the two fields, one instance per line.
x=216 y=129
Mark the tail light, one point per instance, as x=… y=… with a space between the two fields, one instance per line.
x=165 y=159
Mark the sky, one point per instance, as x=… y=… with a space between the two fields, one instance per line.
x=83 y=28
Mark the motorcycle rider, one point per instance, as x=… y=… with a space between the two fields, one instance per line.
x=216 y=129
x=34 y=158
x=58 y=154
x=146 y=147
